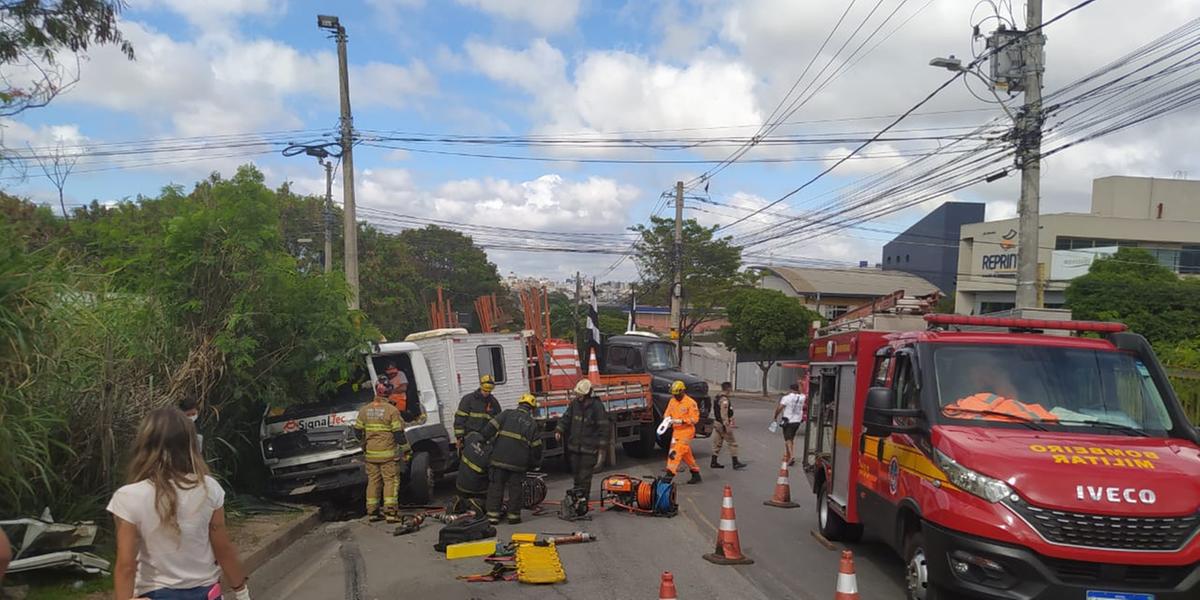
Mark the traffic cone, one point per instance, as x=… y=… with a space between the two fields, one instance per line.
x=847 y=583
x=729 y=548
x=593 y=367
x=783 y=490
x=666 y=589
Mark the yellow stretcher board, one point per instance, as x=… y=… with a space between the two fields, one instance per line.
x=539 y=564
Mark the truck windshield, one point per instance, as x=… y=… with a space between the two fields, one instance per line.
x=660 y=357
x=1063 y=388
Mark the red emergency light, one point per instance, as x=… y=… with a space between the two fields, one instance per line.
x=1009 y=323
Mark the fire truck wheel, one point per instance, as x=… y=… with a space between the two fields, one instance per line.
x=419 y=490
x=916 y=572
x=644 y=445
x=831 y=524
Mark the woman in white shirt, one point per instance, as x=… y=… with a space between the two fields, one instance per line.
x=170 y=520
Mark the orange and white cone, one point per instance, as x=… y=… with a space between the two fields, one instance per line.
x=666 y=589
x=593 y=373
x=729 y=548
x=783 y=490
x=847 y=583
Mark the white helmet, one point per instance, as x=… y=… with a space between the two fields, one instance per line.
x=583 y=388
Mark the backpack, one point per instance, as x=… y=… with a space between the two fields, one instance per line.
x=466 y=530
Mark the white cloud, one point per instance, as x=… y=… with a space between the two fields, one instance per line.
x=537 y=69
x=210 y=13
x=548 y=16
x=222 y=83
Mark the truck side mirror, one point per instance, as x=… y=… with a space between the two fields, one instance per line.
x=879 y=411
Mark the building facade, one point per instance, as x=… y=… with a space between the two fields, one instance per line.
x=833 y=292
x=1160 y=215
x=929 y=248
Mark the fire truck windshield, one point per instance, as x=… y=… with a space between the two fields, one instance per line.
x=1062 y=388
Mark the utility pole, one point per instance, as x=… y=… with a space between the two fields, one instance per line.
x=677 y=286
x=350 y=233
x=575 y=313
x=328 y=214
x=1029 y=148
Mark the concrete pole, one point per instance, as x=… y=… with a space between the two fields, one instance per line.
x=677 y=286
x=328 y=214
x=347 y=126
x=1029 y=149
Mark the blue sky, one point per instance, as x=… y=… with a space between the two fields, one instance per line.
x=568 y=68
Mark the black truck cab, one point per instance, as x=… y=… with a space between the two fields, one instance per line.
x=635 y=353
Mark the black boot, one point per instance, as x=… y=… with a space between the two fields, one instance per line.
x=695 y=477
x=713 y=464
x=737 y=464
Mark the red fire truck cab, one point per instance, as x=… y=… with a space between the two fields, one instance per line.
x=1004 y=458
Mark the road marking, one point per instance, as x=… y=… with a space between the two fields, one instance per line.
x=700 y=515
x=823 y=541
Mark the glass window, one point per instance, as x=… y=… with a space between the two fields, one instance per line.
x=882 y=363
x=904 y=384
x=1060 y=388
x=1189 y=260
x=490 y=361
x=660 y=356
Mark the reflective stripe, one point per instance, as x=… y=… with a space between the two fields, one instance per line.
x=537 y=443
x=515 y=436
x=473 y=466
x=494 y=423
x=728 y=525
x=847 y=583
x=727 y=502
x=397 y=425
x=376 y=427
x=458 y=432
x=781 y=481
x=479 y=415
x=381 y=453
x=461 y=413
x=496 y=463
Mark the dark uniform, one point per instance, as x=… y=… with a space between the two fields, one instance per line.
x=471 y=481
x=516 y=448
x=584 y=427
x=474 y=412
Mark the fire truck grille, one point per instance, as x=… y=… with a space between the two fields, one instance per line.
x=1129 y=576
x=1108 y=532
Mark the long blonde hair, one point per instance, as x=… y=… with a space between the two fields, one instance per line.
x=167 y=455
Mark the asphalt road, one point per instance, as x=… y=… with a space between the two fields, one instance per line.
x=360 y=561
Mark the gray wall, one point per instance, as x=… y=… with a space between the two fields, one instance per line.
x=713 y=362
x=929 y=248
x=749 y=378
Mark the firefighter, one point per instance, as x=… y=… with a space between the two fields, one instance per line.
x=584 y=425
x=381 y=431
x=476 y=409
x=723 y=429
x=684 y=414
x=471 y=481
x=516 y=448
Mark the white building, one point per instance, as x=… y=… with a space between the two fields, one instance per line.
x=1159 y=215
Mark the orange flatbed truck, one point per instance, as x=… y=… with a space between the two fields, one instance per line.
x=1005 y=458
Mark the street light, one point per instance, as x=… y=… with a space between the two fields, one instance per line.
x=328 y=22
x=955 y=65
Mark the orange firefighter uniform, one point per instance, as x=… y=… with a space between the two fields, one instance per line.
x=684 y=413
x=993 y=407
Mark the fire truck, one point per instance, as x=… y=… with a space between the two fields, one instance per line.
x=1008 y=458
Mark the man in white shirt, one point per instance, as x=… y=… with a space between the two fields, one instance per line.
x=790 y=414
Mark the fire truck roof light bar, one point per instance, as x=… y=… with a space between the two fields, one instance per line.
x=1097 y=326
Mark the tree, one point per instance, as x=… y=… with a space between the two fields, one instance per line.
x=57 y=165
x=1131 y=287
x=391 y=286
x=710 y=269
x=452 y=260
x=35 y=36
x=767 y=325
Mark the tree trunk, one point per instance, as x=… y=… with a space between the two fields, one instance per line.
x=62 y=203
x=765 y=367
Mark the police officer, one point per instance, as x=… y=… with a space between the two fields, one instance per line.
x=516 y=448
x=476 y=409
x=723 y=429
x=584 y=425
x=381 y=431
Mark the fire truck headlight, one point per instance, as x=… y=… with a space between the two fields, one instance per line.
x=992 y=490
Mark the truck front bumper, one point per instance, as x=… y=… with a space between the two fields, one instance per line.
x=1028 y=575
x=343 y=472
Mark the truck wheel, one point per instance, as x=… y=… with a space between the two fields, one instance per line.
x=419 y=490
x=831 y=524
x=644 y=445
x=916 y=572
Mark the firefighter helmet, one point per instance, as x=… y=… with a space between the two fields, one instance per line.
x=487 y=383
x=678 y=388
x=529 y=399
x=583 y=388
